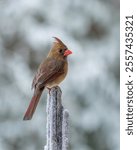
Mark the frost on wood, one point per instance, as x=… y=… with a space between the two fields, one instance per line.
x=65 y=142
x=57 y=122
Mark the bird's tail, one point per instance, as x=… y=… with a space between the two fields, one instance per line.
x=32 y=106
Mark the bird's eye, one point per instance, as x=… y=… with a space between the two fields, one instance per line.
x=60 y=50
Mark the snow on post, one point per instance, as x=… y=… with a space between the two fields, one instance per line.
x=57 y=122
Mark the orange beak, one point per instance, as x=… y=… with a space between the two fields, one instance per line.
x=67 y=52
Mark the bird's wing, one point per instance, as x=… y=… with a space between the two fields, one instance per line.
x=49 y=70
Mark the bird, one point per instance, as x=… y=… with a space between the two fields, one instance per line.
x=51 y=72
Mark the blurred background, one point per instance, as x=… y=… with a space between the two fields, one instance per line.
x=90 y=28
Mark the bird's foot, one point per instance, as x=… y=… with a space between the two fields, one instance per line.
x=49 y=89
x=58 y=88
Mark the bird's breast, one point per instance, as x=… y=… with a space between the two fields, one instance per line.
x=59 y=79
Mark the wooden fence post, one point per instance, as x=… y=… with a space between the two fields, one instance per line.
x=57 y=122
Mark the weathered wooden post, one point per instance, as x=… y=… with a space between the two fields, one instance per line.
x=57 y=122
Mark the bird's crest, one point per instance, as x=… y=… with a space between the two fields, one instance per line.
x=57 y=40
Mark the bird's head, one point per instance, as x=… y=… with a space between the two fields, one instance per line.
x=59 y=49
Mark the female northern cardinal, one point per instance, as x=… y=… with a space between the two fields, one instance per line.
x=50 y=73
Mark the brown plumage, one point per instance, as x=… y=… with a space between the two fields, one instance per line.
x=50 y=73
